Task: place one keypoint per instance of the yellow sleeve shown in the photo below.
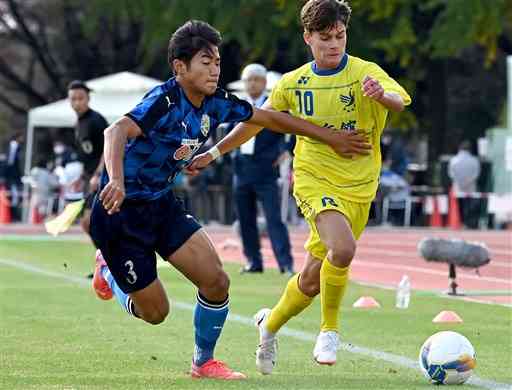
(278, 97)
(389, 84)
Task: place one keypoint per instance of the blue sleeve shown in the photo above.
(149, 111)
(232, 109)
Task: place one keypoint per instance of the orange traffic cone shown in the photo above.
(366, 303)
(447, 316)
(35, 217)
(435, 218)
(5, 207)
(453, 211)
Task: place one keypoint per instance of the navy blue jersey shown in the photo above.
(173, 131)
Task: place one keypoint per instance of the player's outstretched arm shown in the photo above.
(345, 143)
(116, 135)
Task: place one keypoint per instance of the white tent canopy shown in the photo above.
(113, 96)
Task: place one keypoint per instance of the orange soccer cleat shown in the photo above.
(215, 369)
(99, 284)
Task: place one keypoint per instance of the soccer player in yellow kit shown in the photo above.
(341, 93)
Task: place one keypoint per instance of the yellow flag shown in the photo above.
(64, 220)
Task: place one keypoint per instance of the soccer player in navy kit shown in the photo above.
(136, 213)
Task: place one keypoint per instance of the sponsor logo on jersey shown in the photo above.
(348, 125)
(184, 152)
(188, 147)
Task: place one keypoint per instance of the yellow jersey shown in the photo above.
(334, 99)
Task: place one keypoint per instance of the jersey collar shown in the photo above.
(330, 72)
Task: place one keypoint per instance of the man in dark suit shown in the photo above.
(256, 170)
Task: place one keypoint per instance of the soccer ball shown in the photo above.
(447, 358)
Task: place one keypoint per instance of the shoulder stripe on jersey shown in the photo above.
(330, 87)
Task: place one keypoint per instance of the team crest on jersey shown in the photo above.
(184, 152)
(87, 147)
(348, 101)
(205, 125)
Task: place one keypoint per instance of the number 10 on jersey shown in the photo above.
(305, 102)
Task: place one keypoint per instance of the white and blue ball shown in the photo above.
(447, 358)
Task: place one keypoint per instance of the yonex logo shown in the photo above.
(303, 80)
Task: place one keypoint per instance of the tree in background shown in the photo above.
(449, 54)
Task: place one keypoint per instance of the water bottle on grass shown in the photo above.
(403, 293)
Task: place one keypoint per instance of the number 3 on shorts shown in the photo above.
(132, 276)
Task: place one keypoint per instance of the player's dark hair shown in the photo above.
(191, 38)
(78, 84)
(318, 15)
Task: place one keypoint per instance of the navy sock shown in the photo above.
(209, 318)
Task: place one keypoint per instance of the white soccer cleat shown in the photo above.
(326, 347)
(266, 352)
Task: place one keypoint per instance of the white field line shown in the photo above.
(304, 336)
(265, 250)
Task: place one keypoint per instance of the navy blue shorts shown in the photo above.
(129, 239)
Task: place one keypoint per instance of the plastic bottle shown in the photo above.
(403, 293)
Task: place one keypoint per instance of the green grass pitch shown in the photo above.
(55, 334)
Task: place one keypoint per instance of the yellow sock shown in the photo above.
(333, 282)
(292, 302)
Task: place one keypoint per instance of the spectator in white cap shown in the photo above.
(256, 170)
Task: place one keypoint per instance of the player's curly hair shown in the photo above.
(189, 39)
(318, 15)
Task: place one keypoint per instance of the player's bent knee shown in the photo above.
(155, 313)
(217, 286)
(342, 255)
(222, 282)
(156, 316)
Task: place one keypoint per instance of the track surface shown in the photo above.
(383, 256)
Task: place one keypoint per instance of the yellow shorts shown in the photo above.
(313, 198)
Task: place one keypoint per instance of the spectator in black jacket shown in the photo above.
(13, 173)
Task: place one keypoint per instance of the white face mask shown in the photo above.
(58, 149)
